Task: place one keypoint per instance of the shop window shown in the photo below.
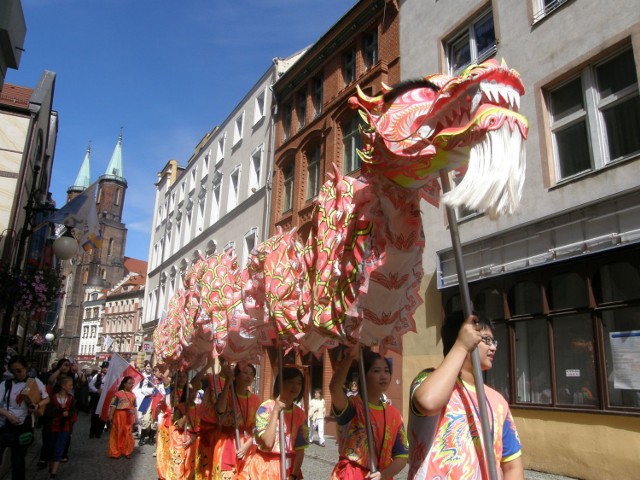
(595, 117)
(621, 347)
(473, 44)
(525, 298)
(498, 376)
(489, 303)
(616, 282)
(567, 290)
(533, 377)
(574, 360)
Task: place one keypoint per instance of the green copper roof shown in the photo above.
(83, 180)
(114, 169)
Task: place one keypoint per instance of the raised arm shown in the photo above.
(223, 398)
(339, 399)
(435, 391)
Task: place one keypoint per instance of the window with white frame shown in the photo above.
(351, 143)
(234, 189)
(182, 191)
(318, 85)
(313, 172)
(172, 201)
(220, 152)
(238, 126)
(349, 66)
(255, 170)
(543, 8)
(595, 116)
(229, 246)
(215, 197)
(258, 109)
(205, 164)
(250, 241)
(287, 187)
(474, 44)
(187, 226)
(178, 243)
(301, 109)
(370, 49)
(192, 185)
(200, 216)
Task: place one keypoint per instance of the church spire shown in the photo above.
(114, 169)
(83, 180)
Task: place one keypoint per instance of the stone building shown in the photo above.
(561, 277)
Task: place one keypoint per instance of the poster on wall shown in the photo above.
(625, 350)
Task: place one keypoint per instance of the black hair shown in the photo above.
(21, 359)
(61, 362)
(146, 362)
(452, 324)
(287, 374)
(59, 381)
(236, 371)
(124, 380)
(369, 358)
(406, 85)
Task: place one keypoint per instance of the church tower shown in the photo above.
(90, 273)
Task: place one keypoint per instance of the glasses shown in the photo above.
(490, 341)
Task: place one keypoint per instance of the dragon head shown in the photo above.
(441, 122)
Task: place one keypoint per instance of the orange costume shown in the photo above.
(265, 464)
(175, 453)
(227, 465)
(207, 430)
(121, 440)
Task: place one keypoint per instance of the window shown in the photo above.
(237, 129)
(351, 142)
(220, 153)
(116, 201)
(192, 184)
(571, 328)
(215, 197)
(234, 187)
(595, 117)
(172, 202)
(545, 7)
(200, 217)
(370, 49)
(250, 242)
(318, 84)
(255, 170)
(205, 165)
(182, 191)
(474, 44)
(313, 173)
(110, 247)
(287, 195)
(286, 122)
(258, 109)
(349, 66)
(301, 109)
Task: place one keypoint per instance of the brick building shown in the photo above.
(315, 128)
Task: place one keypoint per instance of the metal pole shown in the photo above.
(235, 415)
(283, 446)
(467, 310)
(367, 417)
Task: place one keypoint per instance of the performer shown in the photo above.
(230, 461)
(145, 392)
(206, 422)
(122, 415)
(61, 414)
(95, 389)
(176, 451)
(265, 463)
(16, 417)
(444, 421)
(317, 412)
(389, 435)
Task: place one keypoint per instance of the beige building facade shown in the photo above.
(561, 277)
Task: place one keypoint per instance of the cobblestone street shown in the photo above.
(88, 461)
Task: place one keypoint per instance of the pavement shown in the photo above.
(88, 461)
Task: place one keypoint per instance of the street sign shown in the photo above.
(147, 347)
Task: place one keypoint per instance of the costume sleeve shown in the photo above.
(511, 448)
(401, 445)
(302, 435)
(262, 419)
(344, 417)
(421, 377)
(114, 401)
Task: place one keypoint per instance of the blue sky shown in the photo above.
(167, 72)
